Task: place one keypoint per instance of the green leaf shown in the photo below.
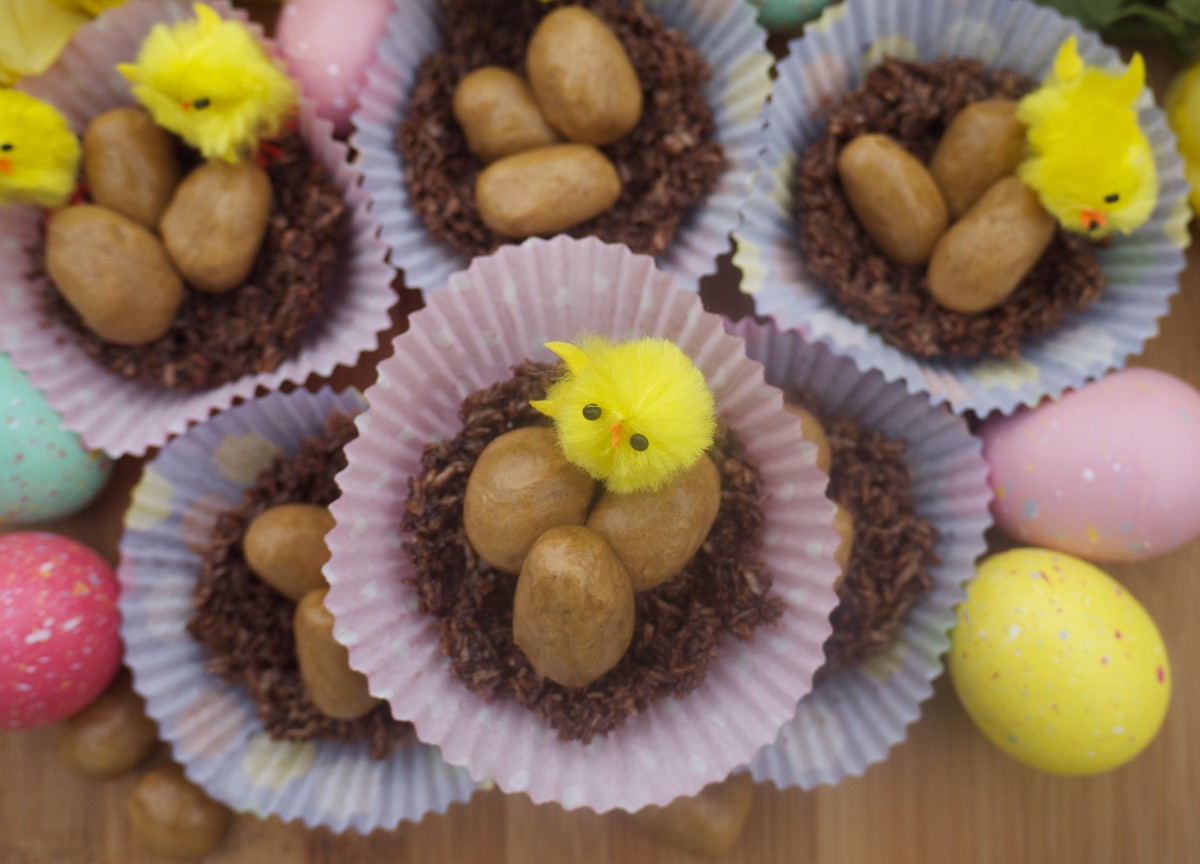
(1159, 21)
(1188, 10)
(1094, 14)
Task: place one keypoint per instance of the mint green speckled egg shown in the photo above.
(785, 16)
(45, 473)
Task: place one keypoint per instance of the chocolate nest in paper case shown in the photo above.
(914, 103)
(725, 589)
(246, 625)
(218, 338)
(893, 545)
(667, 164)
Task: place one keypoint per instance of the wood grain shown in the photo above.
(945, 795)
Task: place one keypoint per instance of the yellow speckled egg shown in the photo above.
(1058, 664)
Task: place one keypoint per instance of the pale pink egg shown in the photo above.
(1110, 472)
(328, 47)
(59, 628)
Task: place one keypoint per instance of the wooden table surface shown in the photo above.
(944, 795)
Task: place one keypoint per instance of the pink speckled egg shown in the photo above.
(1110, 472)
(328, 45)
(59, 641)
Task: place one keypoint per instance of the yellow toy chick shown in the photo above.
(1089, 161)
(1183, 114)
(631, 414)
(39, 152)
(208, 81)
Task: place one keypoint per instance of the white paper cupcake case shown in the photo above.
(723, 32)
(489, 318)
(831, 59)
(211, 726)
(853, 719)
(112, 413)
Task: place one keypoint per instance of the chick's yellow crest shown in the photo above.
(1089, 161)
(210, 82)
(39, 152)
(631, 414)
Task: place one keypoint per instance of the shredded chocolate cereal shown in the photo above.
(724, 589)
(217, 338)
(914, 103)
(893, 546)
(667, 164)
(246, 625)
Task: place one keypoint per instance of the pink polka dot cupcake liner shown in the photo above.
(487, 319)
(115, 414)
(852, 719)
(212, 726)
(831, 59)
(723, 32)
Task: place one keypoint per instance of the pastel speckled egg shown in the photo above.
(328, 48)
(785, 16)
(1110, 472)
(1058, 664)
(59, 640)
(45, 472)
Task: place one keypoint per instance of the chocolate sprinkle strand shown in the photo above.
(246, 625)
(914, 103)
(893, 546)
(667, 164)
(724, 589)
(217, 338)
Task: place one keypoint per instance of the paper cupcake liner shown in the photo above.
(851, 720)
(112, 413)
(212, 726)
(723, 32)
(831, 59)
(489, 318)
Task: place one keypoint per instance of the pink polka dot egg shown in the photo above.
(329, 50)
(1109, 472)
(59, 640)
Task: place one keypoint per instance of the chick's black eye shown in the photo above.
(638, 442)
(202, 103)
(591, 412)
(1113, 198)
(5, 147)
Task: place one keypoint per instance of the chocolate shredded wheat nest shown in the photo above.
(246, 625)
(667, 164)
(724, 589)
(217, 338)
(893, 546)
(914, 103)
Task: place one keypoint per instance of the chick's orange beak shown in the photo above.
(5, 166)
(616, 436)
(1093, 219)
(186, 106)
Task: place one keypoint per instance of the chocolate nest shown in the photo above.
(218, 338)
(724, 589)
(246, 625)
(914, 103)
(667, 164)
(893, 546)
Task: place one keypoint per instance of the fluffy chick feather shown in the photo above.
(1089, 161)
(208, 81)
(39, 152)
(618, 397)
(1183, 113)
